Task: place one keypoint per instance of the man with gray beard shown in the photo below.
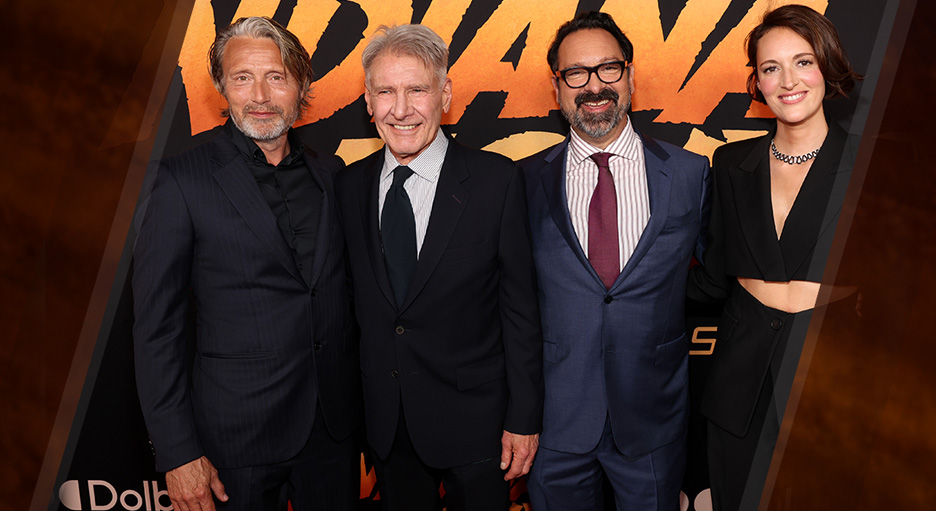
(616, 217)
(255, 402)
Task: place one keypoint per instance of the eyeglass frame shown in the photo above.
(593, 70)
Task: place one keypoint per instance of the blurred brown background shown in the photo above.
(76, 82)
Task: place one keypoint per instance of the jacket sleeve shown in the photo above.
(519, 310)
(707, 281)
(162, 334)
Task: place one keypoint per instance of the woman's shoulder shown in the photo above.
(740, 149)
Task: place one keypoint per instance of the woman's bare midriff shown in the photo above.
(795, 295)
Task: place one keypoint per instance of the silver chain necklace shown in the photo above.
(792, 160)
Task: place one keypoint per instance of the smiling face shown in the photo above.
(407, 103)
(788, 76)
(597, 111)
(263, 96)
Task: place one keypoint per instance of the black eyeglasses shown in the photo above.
(607, 72)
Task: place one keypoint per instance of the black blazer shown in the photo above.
(464, 353)
(267, 346)
(743, 242)
(742, 239)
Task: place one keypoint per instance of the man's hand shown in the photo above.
(518, 452)
(190, 486)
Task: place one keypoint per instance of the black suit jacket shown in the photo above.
(464, 352)
(743, 242)
(742, 239)
(267, 345)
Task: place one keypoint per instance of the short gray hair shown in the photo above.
(417, 41)
(295, 57)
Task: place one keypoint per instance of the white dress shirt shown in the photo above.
(630, 184)
(421, 186)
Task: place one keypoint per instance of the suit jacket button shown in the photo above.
(312, 292)
(608, 299)
(394, 373)
(317, 346)
(399, 329)
(776, 324)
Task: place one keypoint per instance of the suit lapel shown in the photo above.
(751, 186)
(659, 184)
(553, 178)
(809, 215)
(323, 236)
(368, 191)
(240, 187)
(447, 206)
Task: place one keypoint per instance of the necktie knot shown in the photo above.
(601, 159)
(401, 174)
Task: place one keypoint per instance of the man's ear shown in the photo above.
(370, 111)
(447, 95)
(630, 78)
(219, 86)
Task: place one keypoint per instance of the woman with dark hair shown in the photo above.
(775, 207)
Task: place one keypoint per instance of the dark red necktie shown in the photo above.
(602, 224)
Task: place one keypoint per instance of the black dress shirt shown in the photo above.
(293, 196)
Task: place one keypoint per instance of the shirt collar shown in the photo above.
(626, 145)
(427, 165)
(252, 151)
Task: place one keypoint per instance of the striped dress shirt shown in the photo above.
(630, 184)
(421, 186)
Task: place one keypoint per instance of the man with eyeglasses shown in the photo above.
(616, 217)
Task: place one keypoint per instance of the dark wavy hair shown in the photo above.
(821, 35)
(295, 57)
(586, 20)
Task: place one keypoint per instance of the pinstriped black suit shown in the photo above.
(268, 346)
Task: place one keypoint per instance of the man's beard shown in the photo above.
(596, 126)
(268, 129)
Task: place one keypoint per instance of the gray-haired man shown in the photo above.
(246, 223)
(444, 291)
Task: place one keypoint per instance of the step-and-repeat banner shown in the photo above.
(690, 91)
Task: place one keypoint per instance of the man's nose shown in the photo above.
(402, 106)
(260, 92)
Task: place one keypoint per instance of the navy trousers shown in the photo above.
(561, 481)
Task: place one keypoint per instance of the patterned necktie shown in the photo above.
(602, 224)
(398, 233)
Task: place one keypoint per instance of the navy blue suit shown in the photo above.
(268, 346)
(617, 358)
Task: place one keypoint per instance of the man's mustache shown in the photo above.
(591, 97)
(253, 107)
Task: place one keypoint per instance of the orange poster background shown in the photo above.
(661, 64)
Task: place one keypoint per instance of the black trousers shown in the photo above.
(738, 466)
(730, 458)
(324, 476)
(407, 484)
